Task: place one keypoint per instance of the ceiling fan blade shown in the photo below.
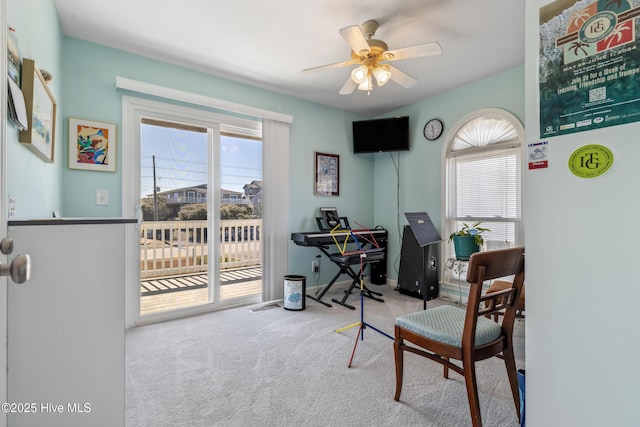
(402, 78)
(356, 40)
(348, 87)
(426, 49)
(332, 66)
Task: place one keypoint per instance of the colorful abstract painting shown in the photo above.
(92, 145)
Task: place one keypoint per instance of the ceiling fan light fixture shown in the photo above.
(367, 84)
(368, 53)
(359, 75)
(382, 75)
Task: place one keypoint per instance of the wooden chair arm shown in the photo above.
(496, 301)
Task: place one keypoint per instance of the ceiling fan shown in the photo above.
(371, 56)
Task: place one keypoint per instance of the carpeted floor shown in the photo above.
(276, 367)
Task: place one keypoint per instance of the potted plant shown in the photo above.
(467, 240)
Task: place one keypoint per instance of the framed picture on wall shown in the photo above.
(327, 181)
(40, 105)
(92, 145)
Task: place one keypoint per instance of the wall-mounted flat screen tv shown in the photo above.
(380, 135)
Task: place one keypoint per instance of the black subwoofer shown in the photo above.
(418, 266)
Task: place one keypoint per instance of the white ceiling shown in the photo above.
(267, 44)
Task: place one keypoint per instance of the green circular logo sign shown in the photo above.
(590, 161)
(598, 27)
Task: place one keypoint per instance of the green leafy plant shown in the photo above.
(473, 230)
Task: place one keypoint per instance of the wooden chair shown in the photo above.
(448, 332)
(499, 285)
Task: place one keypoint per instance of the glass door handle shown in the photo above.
(139, 216)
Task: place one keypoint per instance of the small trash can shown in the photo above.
(294, 292)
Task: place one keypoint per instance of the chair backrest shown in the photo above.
(497, 264)
(493, 265)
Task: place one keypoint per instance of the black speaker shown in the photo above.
(378, 270)
(418, 265)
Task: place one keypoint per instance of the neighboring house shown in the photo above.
(198, 194)
(256, 199)
(252, 189)
(232, 197)
(186, 195)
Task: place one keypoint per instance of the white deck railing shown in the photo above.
(170, 248)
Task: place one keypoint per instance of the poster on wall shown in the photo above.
(589, 65)
(538, 156)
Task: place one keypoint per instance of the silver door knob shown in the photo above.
(6, 245)
(19, 268)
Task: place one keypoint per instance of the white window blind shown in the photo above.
(486, 188)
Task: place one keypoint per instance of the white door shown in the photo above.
(5, 243)
(5, 249)
(3, 217)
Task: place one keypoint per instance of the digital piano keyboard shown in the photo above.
(319, 239)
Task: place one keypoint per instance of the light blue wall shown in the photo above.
(34, 184)
(420, 168)
(84, 86)
(90, 76)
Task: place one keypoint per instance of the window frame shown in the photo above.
(448, 223)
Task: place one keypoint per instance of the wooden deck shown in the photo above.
(169, 293)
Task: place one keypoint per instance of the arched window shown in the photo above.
(483, 178)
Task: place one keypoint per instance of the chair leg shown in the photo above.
(445, 370)
(399, 356)
(472, 392)
(512, 373)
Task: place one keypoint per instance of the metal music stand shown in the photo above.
(426, 234)
(362, 324)
(331, 220)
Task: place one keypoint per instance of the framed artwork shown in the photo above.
(327, 182)
(40, 105)
(92, 145)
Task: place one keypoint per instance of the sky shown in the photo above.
(181, 159)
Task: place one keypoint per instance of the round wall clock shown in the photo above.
(433, 129)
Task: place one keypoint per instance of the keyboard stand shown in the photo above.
(344, 261)
(343, 270)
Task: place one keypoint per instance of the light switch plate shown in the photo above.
(102, 197)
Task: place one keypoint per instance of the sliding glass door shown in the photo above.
(174, 234)
(200, 214)
(240, 217)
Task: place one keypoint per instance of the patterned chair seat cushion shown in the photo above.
(445, 324)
